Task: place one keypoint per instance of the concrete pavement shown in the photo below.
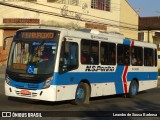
(2, 71)
(158, 81)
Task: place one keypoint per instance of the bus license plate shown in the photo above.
(25, 92)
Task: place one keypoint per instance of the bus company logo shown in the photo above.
(99, 68)
(98, 37)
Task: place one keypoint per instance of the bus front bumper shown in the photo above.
(48, 94)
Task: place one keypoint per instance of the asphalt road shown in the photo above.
(148, 100)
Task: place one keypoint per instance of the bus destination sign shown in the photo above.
(37, 35)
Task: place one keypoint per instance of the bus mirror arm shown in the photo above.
(63, 68)
(5, 42)
(63, 64)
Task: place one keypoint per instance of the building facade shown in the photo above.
(106, 15)
(129, 20)
(149, 31)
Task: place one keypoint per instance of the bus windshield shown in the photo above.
(32, 57)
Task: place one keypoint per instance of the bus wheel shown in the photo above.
(82, 94)
(133, 89)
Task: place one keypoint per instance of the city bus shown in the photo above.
(56, 64)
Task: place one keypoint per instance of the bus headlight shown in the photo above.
(47, 83)
(7, 80)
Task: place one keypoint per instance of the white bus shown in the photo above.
(55, 64)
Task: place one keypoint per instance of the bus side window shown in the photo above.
(120, 58)
(136, 56)
(123, 54)
(108, 53)
(148, 57)
(89, 52)
(84, 57)
(69, 56)
(126, 51)
(85, 51)
(94, 56)
(155, 57)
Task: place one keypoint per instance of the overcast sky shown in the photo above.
(146, 7)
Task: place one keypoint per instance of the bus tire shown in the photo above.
(82, 94)
(133, 89)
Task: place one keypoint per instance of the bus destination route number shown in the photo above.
(37, 35)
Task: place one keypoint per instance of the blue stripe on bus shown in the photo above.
(142, 76)
(119, 83)
(72, 78)
(95, 77)
(22, 85)
(158, 56)
(75, 78)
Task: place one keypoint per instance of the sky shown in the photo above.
(146, 8)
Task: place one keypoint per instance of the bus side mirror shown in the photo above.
(5, 42)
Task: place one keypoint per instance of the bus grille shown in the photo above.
(32, 94)
(29, 86)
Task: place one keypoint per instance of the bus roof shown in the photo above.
(89, 33)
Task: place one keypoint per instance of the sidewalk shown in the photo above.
(2, 71)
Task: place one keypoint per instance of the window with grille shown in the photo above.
(20, 0)
(101, 4)
(69, 2)
(157, 34)
(141, 36)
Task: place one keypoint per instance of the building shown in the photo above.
(149, 31)
(106, 15)
(129, 20)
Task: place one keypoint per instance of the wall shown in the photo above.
(129, 21)
(1, 38)
(146, 36)
(57, 15)
(69, 16)
(4, 53)
(60, 14)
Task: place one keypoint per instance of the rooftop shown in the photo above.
(149, 23)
